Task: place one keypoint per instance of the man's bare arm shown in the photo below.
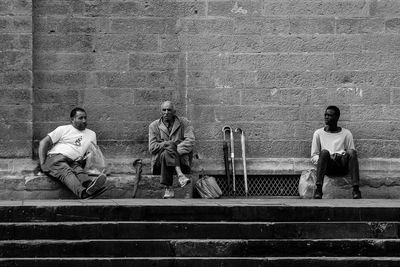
(44, 146)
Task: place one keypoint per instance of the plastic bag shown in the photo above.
(307, 183)
(95, 162)
(208, 188)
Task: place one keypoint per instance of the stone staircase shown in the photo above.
(196, 232)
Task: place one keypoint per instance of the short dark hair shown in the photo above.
(334, 108)
(75, 110)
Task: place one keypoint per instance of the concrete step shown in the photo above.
(202, 248)
(202, 210)
(197, 230)
(204, 262)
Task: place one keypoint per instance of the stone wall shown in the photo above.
(267, 66)
(15, 78)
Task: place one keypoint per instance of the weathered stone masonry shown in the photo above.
(268, 66)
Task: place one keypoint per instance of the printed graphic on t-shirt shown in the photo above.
(78, 141)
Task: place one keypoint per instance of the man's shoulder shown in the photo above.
(346, 131)
(154, 123)
(319, 131)
(63, 127)
(88, 131)
(183, 120)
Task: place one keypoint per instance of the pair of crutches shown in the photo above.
(225, 148)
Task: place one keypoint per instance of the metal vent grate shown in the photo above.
(262, 185)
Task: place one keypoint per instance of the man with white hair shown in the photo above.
(171, 141)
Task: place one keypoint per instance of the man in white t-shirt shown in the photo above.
(333, 152)
(62, 153)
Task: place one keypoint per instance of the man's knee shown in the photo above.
(352, 153)
(324, 154)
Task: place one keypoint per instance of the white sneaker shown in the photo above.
(183, 180)
(96, 184)
(169, 193)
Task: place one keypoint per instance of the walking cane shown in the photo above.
(229, 128)
(226, 162)
(243, 140)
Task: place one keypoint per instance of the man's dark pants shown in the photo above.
(338, 164)
(166, 162)
(68, 171)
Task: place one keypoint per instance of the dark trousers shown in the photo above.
(338, 164)
(166, 162)
(69, 172)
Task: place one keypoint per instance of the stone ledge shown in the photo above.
(380, 178)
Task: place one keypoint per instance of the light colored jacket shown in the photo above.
(182, 134)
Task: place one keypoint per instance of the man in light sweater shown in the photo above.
(333, 152)
(62, 153)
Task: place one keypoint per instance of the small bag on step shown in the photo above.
(208, 188)
(307, 183)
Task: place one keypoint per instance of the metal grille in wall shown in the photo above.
(262, 185)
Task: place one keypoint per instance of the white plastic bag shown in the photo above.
(208, 188)
(307, 183)
(95, 162)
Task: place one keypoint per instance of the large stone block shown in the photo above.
(138, 79)
(220, 96)
(387, 8)
(284, 62)
(115, 96)
(220, 43)
(155, 97)
(6, 7)
(42, 8)
(126, 42)
(276, 96)
(360, 25)
(53, 112)
(261, 25)
(81, 61)
(285, 78)
(16, 131)
(143, 25)
(70, 96)
(60, 79)
(347, 8)
(256, 113)
(124, 149)
(235, 8)
(15, 79)
(156, 8)
(22, 7)
(256, 149)
(313, 43)
(393, 25)
(133, 113)
(381, 42)
(221, 79)
(159, 61)
(351, 94)
(367, 61)
(15, 96)
(16, 149)
(123, 130)
(207, 25)
(312, 26)
(63, 43)
(384, 130)
(82, 25)
(15, 113)
(378, 148)
(15, 60)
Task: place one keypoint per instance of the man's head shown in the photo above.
(332, 114)
(78, 118)
(167, 111)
